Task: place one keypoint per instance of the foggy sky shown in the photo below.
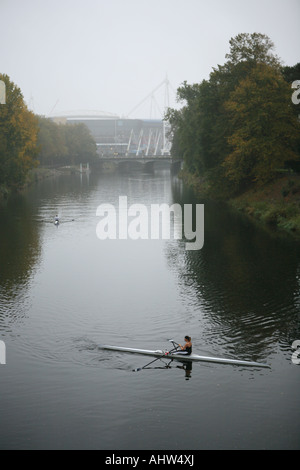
(110, 54)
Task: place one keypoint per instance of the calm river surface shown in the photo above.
(63, 293)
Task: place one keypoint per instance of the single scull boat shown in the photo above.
(192, 357)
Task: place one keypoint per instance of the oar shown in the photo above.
(67, 221)
(174, 343)
(158, 358)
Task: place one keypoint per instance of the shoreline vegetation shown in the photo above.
(35, 176)
(238, 134)
(275, 205)
(29, 144)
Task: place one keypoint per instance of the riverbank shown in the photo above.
(276, 204)
(34, 176)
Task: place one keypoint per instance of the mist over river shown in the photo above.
(64, 292)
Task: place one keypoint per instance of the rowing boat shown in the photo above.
(181, 357)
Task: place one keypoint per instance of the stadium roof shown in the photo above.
(84, 114)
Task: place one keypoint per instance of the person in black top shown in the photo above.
(187, 349)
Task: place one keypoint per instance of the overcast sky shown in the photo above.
(109, 55)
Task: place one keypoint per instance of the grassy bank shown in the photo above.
(276, 204)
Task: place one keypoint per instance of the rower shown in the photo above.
(185, 350)
(56, 220)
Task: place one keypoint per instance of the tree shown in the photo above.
(81, 147)
(194, 126)
(291, 74)
(18, 137)
(252, 48)
(61, 144)
(201, 128)
(51, 143)
(185, 127)
(238, 126)
(247, 51)
(265, 129)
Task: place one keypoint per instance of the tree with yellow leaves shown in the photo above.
(18, 137)
(265, 129)
(239, 127)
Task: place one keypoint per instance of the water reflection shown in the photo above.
(239, 296)
(244, 281)
(186, 366)
(20, 250)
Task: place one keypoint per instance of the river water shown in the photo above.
(63, 293)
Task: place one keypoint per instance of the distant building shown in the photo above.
(116, 137)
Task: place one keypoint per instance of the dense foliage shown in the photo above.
(65, 143)
(239, 127)
(18, 137)
(27, 140)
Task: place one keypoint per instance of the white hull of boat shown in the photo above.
(179, 357)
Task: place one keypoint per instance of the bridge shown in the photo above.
(148, 163)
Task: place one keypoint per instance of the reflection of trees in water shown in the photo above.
(244, 280)
(19, 254)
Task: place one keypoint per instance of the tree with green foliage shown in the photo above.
(51, 143)
(61, 144)
(265, 131)
(238, 126)
(291, 74)
(253, 49)
(18, 137)
(185, 126)
(81, 147)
